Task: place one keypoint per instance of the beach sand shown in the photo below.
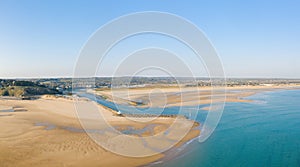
(23, 143)
(183, 96)
(39, 132)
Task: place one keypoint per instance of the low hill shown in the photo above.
(24, 88)
(20, 91)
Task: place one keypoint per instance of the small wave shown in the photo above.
(155, 163)
(259, 102)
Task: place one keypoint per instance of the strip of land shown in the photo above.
(184, 96)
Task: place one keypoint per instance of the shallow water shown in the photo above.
(187, 111)
(263, 133)
(130, 130)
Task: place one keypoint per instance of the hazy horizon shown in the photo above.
(197, 77)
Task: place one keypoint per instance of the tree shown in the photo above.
(5, 93)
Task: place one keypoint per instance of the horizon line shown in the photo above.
(206, 77)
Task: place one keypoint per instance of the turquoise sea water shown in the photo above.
(265, 132)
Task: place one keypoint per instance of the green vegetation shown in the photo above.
(24, 88)
(20, 91)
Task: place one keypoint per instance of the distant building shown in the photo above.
(59, 89)
(268, 84)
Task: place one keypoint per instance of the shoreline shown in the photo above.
(42, 142)
(187, 96)
(52, 110)
(183, 146)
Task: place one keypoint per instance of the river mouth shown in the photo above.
(194, 113)
(136, 111)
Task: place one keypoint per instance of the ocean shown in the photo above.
(265, 132)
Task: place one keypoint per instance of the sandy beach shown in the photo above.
(184, 96)
(46, 132)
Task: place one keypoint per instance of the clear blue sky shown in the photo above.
(253, 38)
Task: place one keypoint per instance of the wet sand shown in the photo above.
(183, 96)
(46, 132)
(39, 137)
